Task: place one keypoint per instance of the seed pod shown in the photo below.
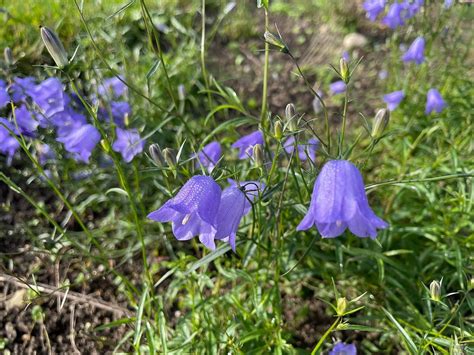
(270, 38)
(290, 115)
(170, 157)
(380, 122)
(278, 130)
(54, 46)
(344, 70)
(156, 154)
(8, 55)
(435, 291)
(258, 155)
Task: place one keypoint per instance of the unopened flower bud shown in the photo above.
(344, 69)
(380, 122)
(341, 306)
(290, 115)
(278, 130)
(54, 46)
(8, 55)
(435, 291)
(156, 154)
(170, 157)
(105, 146)
(258, 155)
(270, 38)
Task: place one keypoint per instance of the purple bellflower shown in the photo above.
(304, 150)
(128, 143)
(50, 98)
(338, 87)
(112, 86)
(25, 121)
(209, 156)
(118, 110)
(434, 102)
(234, 205)
(45, 153)
(339, 202)
(448, 3)
(373, 8)
(393, 99)
(246, 144)
(8, 144)
(21, 88)
(193, 211)
(411, 8)
(394, 16)
(343, 349)
(80, 140)
(416, 51)
(4, 97)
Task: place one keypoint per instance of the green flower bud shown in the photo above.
(170, 157)
(380, 122)
(156, 154)
(54, 46)
(8, 55)
(435, 291)
(273, 40)
(344, 69)
(258, 155)
(278, 130)
(290, 115)
(341, 306)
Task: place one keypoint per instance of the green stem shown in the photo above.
(407, 181)
(203, 53)
(325, 335)
(265, 76)
(344, 120)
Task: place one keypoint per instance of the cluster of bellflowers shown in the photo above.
(34, 109)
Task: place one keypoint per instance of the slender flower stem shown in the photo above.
(430, 179)
(265, 76)
(344, 121)
(325, 335)
(203, 53)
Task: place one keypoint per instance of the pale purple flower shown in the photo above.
(383, 74)
(337, 87)
(434, 102)
(50, 97)
(112, 87)
(345, 55)
(4, 97)
(448, 3)
(339, 202)
(343, 349)
(246, 144)
(118, 110)
(393, 99)
(304, 150)
(193, 211)
(25, 121)
(80, 140)
(394, 16)
(411, 8)
(21, 88)
(373, 8)
(8, 144)
(128, 143)
(209, 156)
(416, 51)
(65, 119)
(45, 153)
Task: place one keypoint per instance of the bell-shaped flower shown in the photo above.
(394, 16)
(112, 87)
(393, 99)
(234, 205)
(338, 87)
(8, 144)
(50, 97)
(415, 52)
(373, 8)
(434, 102)
(80, 140)
(4, 96)
(193, 211)
(411, 8)
(343, 349)
(305, 151)
(25, 121)
(128, 143)
(209, 156)
(246, 144)
(339, 202)
(117, 110)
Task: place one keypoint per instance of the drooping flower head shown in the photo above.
(80, 140)
(393, 99)
(338, 87)
(416, 51)
(209, 156)
(411, 8)
(434, 102)
(394, 16)
(50, 97)
(234, 205)
(304, 150)
(21, 88)
(118, 110)
(373, 8)
(25, 121)
(128, 143)
(246, 144)
(339, 202)
(343, 349)
(8, 144)
(193, 211)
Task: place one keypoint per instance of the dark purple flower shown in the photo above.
(128, 143)
(337, 87)
(8, 144)
(434, 102)
(112, 87)
(343, 349)
(25, 121)
(118, 110)
(373, 8)
(393, 99)
(209, 156)
(394, 17)
(416, 51)
(304, 150)
(411, 8)
(80, 140)
(45, 153)
(50, 97)
(193, 211)
(246, 144)
(65, 119)
(21, 88)
(339, 202)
